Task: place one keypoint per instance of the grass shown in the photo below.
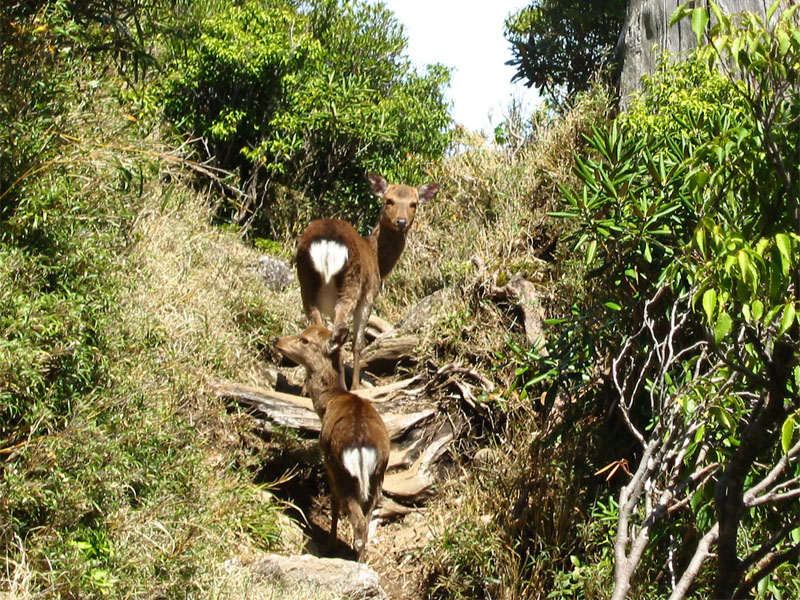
(122, 474)
(501, 529)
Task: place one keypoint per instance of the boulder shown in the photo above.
(342, 577)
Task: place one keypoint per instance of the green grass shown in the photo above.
(503, 530)
(122, 475)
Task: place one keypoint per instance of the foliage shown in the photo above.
(308, 98)
(106, 486)
(558, 46)
(689, 228)
(507, 532)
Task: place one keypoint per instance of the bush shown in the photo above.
(107, 488)
(688, 226)
(308, 100)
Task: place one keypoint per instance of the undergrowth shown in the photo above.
(121, 473)
(509, 533)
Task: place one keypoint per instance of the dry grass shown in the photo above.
(200, 302)
(491, 224)
(15, 582)
(488, 224)
(203, 288)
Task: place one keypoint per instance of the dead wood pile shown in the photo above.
(417, 410)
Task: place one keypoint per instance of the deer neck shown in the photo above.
(388, 244)
(320, 384)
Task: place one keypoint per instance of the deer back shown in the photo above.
(334, 263)
(351, 425)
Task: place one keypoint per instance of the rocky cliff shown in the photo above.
(647, 33)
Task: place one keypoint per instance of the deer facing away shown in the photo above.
(354, 440)
(340, 272)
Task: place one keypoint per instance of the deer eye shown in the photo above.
(414, 205)
(389, 202)
(303, 340)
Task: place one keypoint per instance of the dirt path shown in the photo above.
(422, 416)
(396, 546)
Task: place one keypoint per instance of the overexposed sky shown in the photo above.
(468, 37)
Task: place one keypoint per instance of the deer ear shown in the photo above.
(337, 339)
(427, 191)
(378, 184)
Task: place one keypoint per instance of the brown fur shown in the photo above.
(369, 261)
(348, 422)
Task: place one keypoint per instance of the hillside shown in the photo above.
(602, 383)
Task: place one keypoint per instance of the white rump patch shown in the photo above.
(328, 257)
(361, 463)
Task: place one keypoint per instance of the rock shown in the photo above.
(275, 272)
(486, 457)
(424, 312)
(350, 579)
(647, 25)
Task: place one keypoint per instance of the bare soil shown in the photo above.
(395, 549)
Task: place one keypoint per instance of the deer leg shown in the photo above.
(344, 309)
(360, 319)
(360, 527)
(334, 519)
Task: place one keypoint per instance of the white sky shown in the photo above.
(468, 37)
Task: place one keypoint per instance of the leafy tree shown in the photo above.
(308, 97)
(689, 221)
(558, 46)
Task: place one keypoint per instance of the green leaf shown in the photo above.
(784, 244)
(722, 327)
(748, 316)
(783, 42)
(722, 416)
(613, 305)
(709, 303)
(788, 317)
(591, 252)
(772, 314)
(757, 308)
(700, 239)
(699, 22)
(744, 263)
(772, 8)
(787, 432)
(679, 13)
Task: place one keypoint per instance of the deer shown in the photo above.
(353, 439)
(341, 272)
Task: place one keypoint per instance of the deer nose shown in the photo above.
(401, 224)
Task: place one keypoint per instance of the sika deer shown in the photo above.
(354, 440)
(340, 272)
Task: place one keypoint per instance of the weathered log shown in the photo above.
(384, 393)
(287, 410)
(419, 431)
(377, 327)
(414, 483)
(297, 412)
(523, 294)
(389, 350)
(647, 33)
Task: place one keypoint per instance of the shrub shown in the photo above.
(689, 228)
(308, 100)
